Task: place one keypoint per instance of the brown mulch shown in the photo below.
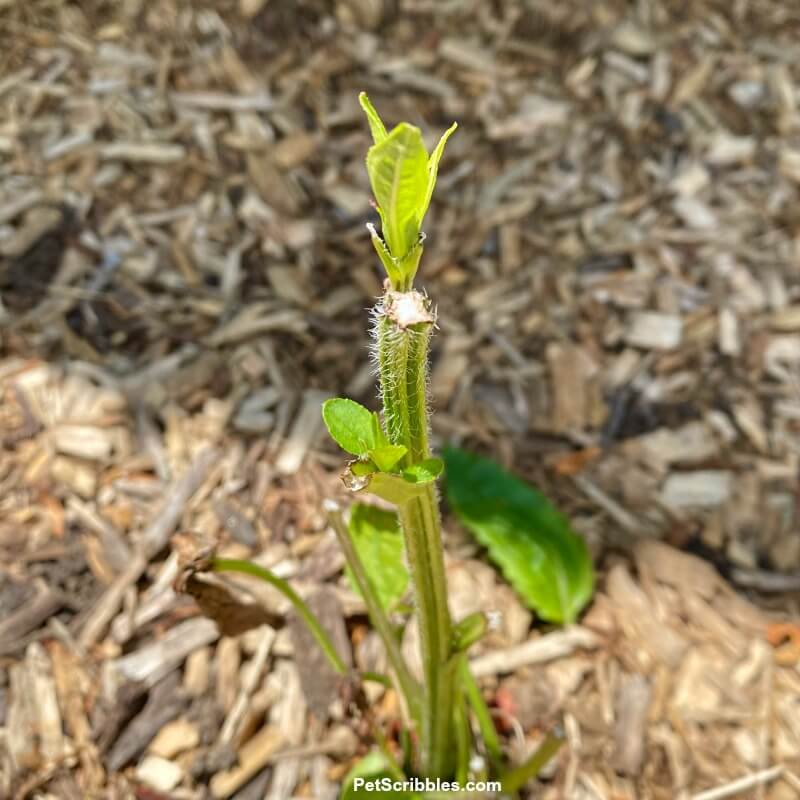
(184, 276)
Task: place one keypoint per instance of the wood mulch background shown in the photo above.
(614, 249)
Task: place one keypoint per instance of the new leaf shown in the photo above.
(376, 125)
(350, 425)
(398, 172)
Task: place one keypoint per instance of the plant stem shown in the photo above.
(318, 632)
(408, 686)
(403, 333)
(419, 520)
(516, 778)
(485, 722)
(461, 728)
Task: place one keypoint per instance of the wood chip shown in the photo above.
(254, 755)
(698, 489)
(652, 330)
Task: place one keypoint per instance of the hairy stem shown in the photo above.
(403, 333)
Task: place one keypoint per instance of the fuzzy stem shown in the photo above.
(403, 333)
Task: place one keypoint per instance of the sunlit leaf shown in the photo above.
(376, 125)
(433, 169)
(532, 543)
(398, 172)
(393, 269)
(386, 457)
(350, 425)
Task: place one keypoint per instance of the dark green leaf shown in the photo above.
(379, 543)
(349, 424)
(531, 542)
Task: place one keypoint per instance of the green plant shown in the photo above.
(392, 460)
(530, 540)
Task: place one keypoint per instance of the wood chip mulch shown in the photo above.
(614, 251)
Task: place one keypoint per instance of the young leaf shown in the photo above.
(469, 630)
(398, 172)
(392, 488)
(373, 767)
(376, 125)
(424, 472)
(379, 543)
(378, 436)
(531, 542)
(433, 169)
(362, 468)
(386, 456)
(349, 424)
(391, 266)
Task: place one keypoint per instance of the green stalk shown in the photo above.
(408, 686)
(317, 631)
(482, 714)
(403, 333)
(462, 737)
(515, 779)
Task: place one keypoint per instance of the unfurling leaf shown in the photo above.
(386, 457)
(531, 542)
(379, 543)
(433, 169)
(376, 126)
(350, 425)
(398, 172)
(403, 177)
(468, 631)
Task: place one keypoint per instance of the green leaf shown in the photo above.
(378, 436)
(531, 542)
(350, 425)
(376, 125)
(398, 172)
(424, 472)
(387, 456)
(379, 543)
(392, 488)
(469, 630)
(433, 169)
(362, 468)
(393, 269)
(373, 767)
